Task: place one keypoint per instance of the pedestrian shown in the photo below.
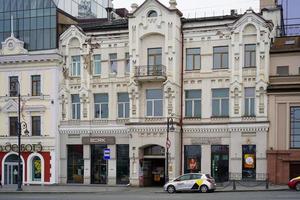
(0, 181)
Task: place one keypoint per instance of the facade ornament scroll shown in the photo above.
(169, 96)
(236, 101)
(261, 100)
(133, 98)
(64, 103)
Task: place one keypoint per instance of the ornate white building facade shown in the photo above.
(122, 79)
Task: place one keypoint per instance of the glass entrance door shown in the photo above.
(220, 162)
(11, 173)
(98, 164)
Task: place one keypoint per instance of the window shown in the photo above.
(36, 85)
(36, 169)
(101, 105)
(13, 126)
(249, 162)
(193, 103)
(154, 98)
(193, 59)
(113, 63)
(152, 13)
(249, 101)
(250, 55)
(75, 106)
(192, 158)
(36, 125)
(282, 70)
(123, 105)
(154, 61)
(75, 164)
(220, 57)
(97, 65)
(13, 86)
(127, 63)
(295, 127)
(75, 66)
(123, 163)
(220, 102)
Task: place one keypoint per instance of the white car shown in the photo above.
(191, 182)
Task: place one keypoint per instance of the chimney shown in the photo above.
(173, 4)
(109, 9)
(268, 4)
(233, 12)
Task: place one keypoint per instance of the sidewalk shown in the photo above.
(130, 189)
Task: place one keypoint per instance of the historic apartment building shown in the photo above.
(30, 65)
(122, 79)
(284, 110)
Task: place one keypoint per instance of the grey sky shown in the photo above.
(200, 7)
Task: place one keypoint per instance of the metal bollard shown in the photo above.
(267, 184)
(233, 185)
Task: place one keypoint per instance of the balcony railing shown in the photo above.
(150, 72)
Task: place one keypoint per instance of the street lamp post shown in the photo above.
(170, 122)
(20, 126)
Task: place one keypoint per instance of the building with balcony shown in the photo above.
(284, 110)
(30, 65)
(124, 78)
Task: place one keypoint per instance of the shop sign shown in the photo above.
(98, 140)
(206, 140)
(24, 147)
(106, 154)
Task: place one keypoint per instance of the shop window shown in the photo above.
(249, 162)
(36, 169)
(75, 164)
(123, 163)
(295, 127)
(98, 164)
(192, 158)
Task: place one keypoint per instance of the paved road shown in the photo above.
(140, 195)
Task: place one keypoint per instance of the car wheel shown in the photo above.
(297, 187)
(171, 189)
(203, 189)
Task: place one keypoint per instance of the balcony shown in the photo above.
(150, 73)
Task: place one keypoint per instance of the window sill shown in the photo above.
(249, 67)
(96, 75)
(219, 117)
(192, 70)
(192, 118)
(220, 69)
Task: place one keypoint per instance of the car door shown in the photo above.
(182, 182)
(196, 181)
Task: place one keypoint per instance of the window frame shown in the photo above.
(101, 105)
(75, 65)
(193, 58)
(224, 53)
(220, 100)
(282, 67)
(15, 124)
(249, 110)
(95, 62)
(13, 82)
(125, 105)
(76, 108)
(153, 102)
(291, 128)
(193, 104)
(36, 128)
(152, 13)
(252, 54)
(113, 63)
(36, 85)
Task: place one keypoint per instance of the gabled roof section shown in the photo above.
(160, 4)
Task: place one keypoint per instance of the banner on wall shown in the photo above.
(249, 161)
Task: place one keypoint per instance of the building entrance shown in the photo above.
(152, 166)
(11, 170)
(98, 164)
(220, 162)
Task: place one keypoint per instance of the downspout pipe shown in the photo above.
(181, 100)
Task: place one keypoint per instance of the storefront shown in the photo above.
(35, 164)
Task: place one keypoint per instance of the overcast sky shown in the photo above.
(200, 7)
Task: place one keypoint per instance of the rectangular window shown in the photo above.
(101, 106)
(154, 61)
(249, 101)
(295, 127)
(97, 65)
(127, 63)
(282, 70)
(75, 66)
(75, 106)
(123, 164)
(113, 63)
(36, 125)
(75, 164)
(13, 86)
(193, 103)
(13, 126)
(154, 101)
(193, 59)
(192, 158)
(220, 102)
(123, 105)
(250, 55)
(249, 162)
(36, 85)
(220, 57)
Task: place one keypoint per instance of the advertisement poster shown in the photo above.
(249, 161)
(192, 165)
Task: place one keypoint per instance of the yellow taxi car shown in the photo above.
(191, 182)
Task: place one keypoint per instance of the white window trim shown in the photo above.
(220, 106)
(77, 67)
(29, 168)
(22, 163)
(123, 103)
(100, 108)
(152, 107)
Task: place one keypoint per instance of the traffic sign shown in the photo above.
(106, 154)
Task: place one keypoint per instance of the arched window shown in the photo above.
(36, 169)
(152, 13)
